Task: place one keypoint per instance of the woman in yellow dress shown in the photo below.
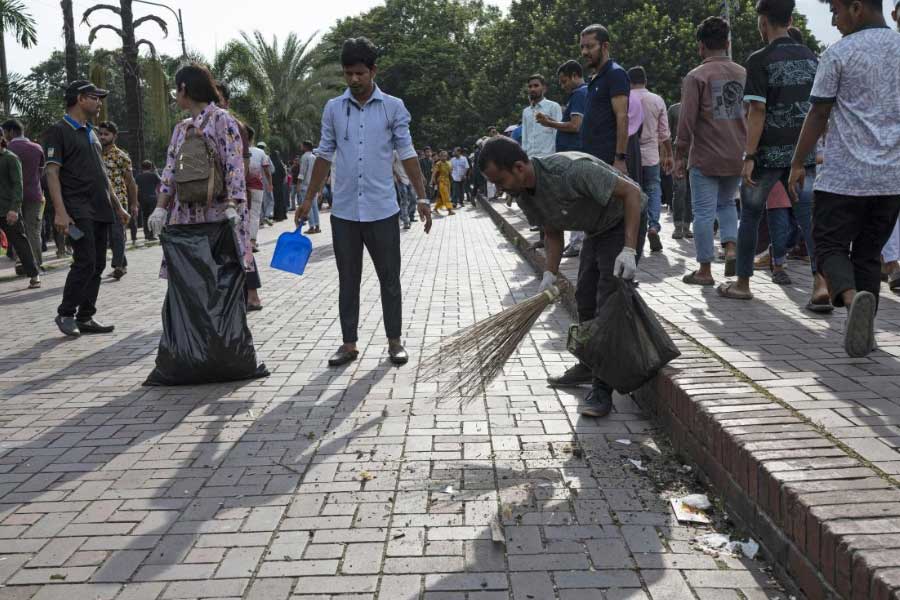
(441, 175)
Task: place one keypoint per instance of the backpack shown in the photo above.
(198, 173)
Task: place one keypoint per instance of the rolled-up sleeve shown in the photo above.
(327, 141)
(402, 139)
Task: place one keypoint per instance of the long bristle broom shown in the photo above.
(468, 361)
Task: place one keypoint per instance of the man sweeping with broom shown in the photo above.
(576, 192)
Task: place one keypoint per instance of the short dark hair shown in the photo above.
(109, 126)
(13, 125)
(713, 33)
(777, 11)
(637, 75)
(358, 50)
(198, 83)
(503, 152)
(796, 35)
(146, 165)
(307, 144)
(537, 77)
(598, 31)
(874, 4)
(570, 68)
(224, 91)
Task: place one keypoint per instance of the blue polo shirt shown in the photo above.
(598, 128)
(575, 105)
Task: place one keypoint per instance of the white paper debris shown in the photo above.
(717, 541)
(687, 514)
(624, 442)
(497, 531)
(448, 489)
(697, 501)
(637, 464)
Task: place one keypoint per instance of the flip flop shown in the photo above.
(781, 278)
(726, 290)
(821, 308)
(692, 279)
(858, 336)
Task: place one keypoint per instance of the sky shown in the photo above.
(208, 31)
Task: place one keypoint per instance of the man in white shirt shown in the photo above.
(459, 170)
(538, 140)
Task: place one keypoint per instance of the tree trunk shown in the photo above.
(69, 36)
(4, 75)
(133, 104)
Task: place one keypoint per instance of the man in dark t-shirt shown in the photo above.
(779, 81)
(84, 203)
(147, 183)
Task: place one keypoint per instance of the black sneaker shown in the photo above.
(580, 374)
(655, 243)
(598, 403)
(859, 335)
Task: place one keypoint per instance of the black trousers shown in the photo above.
(596, 281)
(382, 240)
(117, 245)
(89, 260)
(849, 234)
(147, 208)
(15, 233)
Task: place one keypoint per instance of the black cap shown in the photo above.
(82, 86)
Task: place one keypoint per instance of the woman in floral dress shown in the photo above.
(196, 92)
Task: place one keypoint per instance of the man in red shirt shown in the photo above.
(31, 156)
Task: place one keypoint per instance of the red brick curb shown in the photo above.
(828, 520)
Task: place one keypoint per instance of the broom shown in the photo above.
(470, 359)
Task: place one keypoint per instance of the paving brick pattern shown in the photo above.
(801, 457)
(317, 483)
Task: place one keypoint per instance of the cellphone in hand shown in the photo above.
(74, 233)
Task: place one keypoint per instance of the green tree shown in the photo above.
(14, 18)
(134, 140)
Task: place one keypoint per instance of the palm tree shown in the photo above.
(69, 36)
(291, 83)
(14, 18)
(132, 74)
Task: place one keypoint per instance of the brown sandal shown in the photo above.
(726, 290)
(693, 279)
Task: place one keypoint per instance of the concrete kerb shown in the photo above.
(828, 518)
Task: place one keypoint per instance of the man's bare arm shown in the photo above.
(554, 241)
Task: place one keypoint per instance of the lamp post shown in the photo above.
(177, 19)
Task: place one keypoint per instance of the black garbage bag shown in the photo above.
(624, 344)
(205, 335)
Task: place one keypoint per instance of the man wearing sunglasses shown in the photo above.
(85, 205)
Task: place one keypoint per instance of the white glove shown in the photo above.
(157, 220)
(548, 280)
(232, 216)
(626, 264)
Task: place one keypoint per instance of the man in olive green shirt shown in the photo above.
(575, 191)
(10, 210)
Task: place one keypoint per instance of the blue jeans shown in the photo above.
(713, 199)
(653, 188)
(781, 230)
(753, 206)
(404, 199)
(314, 209)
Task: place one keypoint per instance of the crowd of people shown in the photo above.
(810, 142)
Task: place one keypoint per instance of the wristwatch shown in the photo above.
(621, 157)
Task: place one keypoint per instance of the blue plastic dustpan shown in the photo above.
(292, 252)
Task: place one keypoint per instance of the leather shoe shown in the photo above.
(579, 374)
(598, 403)
(342, 357)
(68, 325)
(93, 326)
(398, 354)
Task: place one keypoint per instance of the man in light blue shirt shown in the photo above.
(361, 129)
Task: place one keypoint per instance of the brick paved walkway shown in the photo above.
(794, 354)
(318, 483)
